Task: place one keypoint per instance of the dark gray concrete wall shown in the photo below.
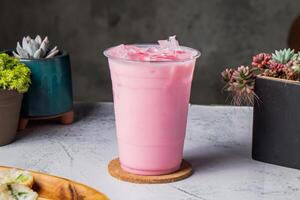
(228, 32)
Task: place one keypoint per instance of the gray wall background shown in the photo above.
(228, 32)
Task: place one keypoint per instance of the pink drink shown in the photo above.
(151, 89)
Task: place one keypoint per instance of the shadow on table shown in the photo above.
(217, 158)
(84, 110)
(81, 111)
(40, 127)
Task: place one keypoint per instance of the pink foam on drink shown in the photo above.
(167, 50)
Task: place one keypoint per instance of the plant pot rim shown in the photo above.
(11, 91)
(279, 79)
(62, 52)
(9, 94)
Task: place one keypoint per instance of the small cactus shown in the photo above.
(35, 48)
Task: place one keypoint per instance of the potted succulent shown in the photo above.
(14, 81)
(50, 94)
(272, 84)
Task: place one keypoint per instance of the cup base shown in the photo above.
(149, 172)
(116, 171)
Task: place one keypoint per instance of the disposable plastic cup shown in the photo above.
(151, 100)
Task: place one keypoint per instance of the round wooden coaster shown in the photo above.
(115, 170)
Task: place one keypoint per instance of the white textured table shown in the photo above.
(218, 144)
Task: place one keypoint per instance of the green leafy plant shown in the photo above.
(13, 74)
(239, 82)
(35, 48)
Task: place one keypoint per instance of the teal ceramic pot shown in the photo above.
(50, 92)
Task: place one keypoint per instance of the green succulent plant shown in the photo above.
(14, 75)
(35, 48)
(296, 66)
(296, 63)
(284, 56)
(297, 57)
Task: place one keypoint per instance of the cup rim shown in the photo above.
(196, 55)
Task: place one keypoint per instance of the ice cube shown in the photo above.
(170, 44)
(174, 45)
(118, 51)
(163, 44)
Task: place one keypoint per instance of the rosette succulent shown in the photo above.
(240, 82)
(14, 75)
(261, 60)
(282, 58)
(35, 48)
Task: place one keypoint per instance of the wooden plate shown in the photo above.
(56, 188)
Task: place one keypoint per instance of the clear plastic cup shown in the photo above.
(151, 100)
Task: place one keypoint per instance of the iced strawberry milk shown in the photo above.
(151, 90)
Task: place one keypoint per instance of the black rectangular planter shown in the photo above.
(276, 122)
